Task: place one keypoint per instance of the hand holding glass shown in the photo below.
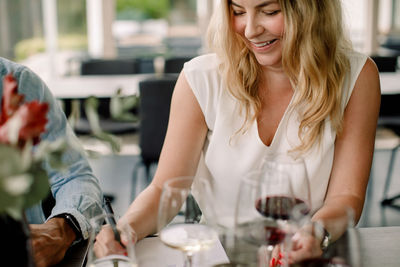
(271, 204)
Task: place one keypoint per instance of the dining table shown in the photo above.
(101, 86)
(83, 86)
(378, 246)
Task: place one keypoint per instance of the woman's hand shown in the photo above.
(305, 245)
(106, 244)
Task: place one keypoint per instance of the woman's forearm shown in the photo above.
(338, 213)
(142, 213)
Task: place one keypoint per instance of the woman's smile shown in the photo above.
(261, 27)
(263, 46)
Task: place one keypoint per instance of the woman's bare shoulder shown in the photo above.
(368, 80)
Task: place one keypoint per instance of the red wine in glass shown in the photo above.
(280, 207)
(277, 208)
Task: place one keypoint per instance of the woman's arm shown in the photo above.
(354, 149)
(180, 154)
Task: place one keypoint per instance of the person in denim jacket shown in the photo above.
(75, 193)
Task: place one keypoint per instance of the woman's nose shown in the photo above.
(253, 27)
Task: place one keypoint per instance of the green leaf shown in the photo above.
(10, 158)
(112, 140)
(91, 105)
(12, 205)
(75, 113)
(40, 188)
(15, 212)
(121, 106)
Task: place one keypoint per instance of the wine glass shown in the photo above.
(121, 255)
(184, 232)
(344, 252)
(272, 203)
(238, 252)
(296, 170)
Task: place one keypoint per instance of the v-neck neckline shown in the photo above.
(273, 141)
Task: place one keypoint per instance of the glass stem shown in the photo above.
(264, 256)
(188, 260)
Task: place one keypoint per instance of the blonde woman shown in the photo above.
(282, 78)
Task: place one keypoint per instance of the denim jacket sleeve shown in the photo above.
(76, 190)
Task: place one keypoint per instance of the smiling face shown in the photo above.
(261, 24)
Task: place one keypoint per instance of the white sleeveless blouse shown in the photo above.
(228, 156)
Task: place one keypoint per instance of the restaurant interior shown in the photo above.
(127, 58)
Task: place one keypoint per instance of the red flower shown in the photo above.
(31, 116)
(10, 100)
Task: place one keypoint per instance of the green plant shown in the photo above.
(120, 110)
(154, 9)
(29, 47)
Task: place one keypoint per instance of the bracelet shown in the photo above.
(326, 240)
(320, 232)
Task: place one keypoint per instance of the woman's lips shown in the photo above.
(259, 45)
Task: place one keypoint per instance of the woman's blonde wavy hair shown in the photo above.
(313, 57)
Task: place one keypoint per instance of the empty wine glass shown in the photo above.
(239, 253)
(183, 232)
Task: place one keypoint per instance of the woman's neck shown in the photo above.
(275, 79)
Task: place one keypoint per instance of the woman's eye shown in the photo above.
(237, 12)
(271, 13)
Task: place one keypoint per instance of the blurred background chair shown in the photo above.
(121, 66)
(385, 63)
(145, 65)
(154, 105)
(389, 115)
(108, 66)
(175, 64)
(389, 119)
(117, 66)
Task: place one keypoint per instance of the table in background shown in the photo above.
(106, 85)
(390, 82)
(78, 87)
(380, 246)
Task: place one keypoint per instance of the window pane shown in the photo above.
(71, 15)
(21, 30)
(156, 28)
